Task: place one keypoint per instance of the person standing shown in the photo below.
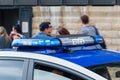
(89, 29)
(5, 40)
(16, 32)
(45, 30)
(62, 30)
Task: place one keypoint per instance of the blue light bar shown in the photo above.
(64, 41)
(36, 42)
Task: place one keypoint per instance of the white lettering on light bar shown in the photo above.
(78, 41)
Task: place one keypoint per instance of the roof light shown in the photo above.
(98, 39)
(36, 42)
(66, 40)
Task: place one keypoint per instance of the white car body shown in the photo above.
(51, 59)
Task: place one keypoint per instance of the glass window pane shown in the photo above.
(11, 70)
(44, 72)
(44, 75)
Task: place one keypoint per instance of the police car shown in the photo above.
(31, 66)
(58, 58)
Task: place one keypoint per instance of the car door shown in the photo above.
(13, 68)
(42, 70)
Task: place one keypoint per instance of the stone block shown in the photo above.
(110, 34)
(36, 11)
(108, 41)
(113, 47)
(115, 41)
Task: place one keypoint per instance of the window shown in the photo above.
(45, 72)
(11, 70)
(44, 75)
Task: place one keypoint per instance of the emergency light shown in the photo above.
(36, 42)
(66, 40)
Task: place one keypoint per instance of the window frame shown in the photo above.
(53, 65)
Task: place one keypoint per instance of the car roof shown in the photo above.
(90, 57)
(87, 58)
(49, 59)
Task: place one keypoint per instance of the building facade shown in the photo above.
(30, 13)
(105, 18)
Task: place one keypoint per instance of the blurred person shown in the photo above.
(16, 32)
(59, 72)
(5, 40)
(62, 30)
(45, 30)
(89, 29)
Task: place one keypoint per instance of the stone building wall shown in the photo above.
(105, 18)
